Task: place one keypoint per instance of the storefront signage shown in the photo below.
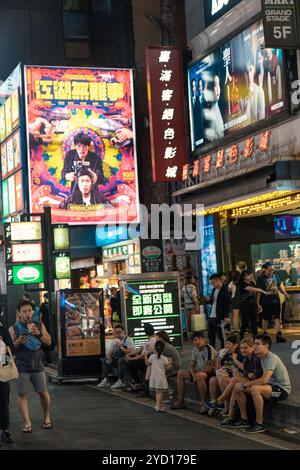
(155, 302)
(93, 106)
(281, 23)
(29, 274)
(109, 235)
(166, 105)
(62, 262)
(214, 9)
(23, 231)
(239, 156)
(152, 256)
(24, 253)
(61, 237)
(238, 86)
(118, 251)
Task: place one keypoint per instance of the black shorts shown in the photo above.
(278, 394)
(271, 311)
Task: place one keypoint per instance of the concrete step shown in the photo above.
(282, 414)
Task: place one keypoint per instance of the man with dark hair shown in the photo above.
(85, 192)
(120, 346)
(82, 157)
(203, 359)
(28, 337)
(219, 315)
(274, 385)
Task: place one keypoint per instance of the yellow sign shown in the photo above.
(83, 347)
(26, 231)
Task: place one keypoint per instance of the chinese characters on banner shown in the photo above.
(82, 151)
(155, 302)
(227, 161)
(166, 108)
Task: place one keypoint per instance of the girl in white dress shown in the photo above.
(158, 380)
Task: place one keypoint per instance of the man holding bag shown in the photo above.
(5, 340)
(28, 337)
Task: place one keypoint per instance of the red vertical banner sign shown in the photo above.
(167, 113)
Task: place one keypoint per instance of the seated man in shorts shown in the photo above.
(203, 360)
(273, 385)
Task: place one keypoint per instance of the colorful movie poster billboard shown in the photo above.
(82, 150)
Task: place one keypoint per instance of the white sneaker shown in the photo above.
(119, 384)
(103, 383)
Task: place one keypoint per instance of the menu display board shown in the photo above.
(81, 323)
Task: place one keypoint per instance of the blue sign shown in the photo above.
(208, 253)
(108, 235)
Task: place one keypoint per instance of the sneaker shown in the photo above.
(103, 383)
(118, 385)
(6, 437)
(256, 428)
(213, 405)
(280, 338)
(241, 423)
(228, 422)
(178, 406)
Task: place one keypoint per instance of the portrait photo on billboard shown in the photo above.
(237, 86)
(81, 139)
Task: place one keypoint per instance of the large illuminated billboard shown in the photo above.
(237, 86)
(82, 150)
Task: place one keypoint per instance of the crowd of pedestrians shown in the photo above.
(236, 378)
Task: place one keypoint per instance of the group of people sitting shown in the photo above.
(241, 374)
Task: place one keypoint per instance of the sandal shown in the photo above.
(47, 425)
(27, 429)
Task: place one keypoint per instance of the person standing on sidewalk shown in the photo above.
(248, 306)
(269, 303)
(28, 337)
(4, 392)
(219, 315)
(158, 380)
(190, 297)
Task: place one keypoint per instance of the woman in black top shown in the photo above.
(4, 393)
(248, 305)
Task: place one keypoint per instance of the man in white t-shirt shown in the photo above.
(120, 346)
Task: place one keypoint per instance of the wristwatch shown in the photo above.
(244, 385)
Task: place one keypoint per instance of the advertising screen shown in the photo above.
(238, 85)
(155, 302)
(82, 150)
(208, 254)
(287, 226)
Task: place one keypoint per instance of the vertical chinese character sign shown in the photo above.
(167, 110)
(82, 150)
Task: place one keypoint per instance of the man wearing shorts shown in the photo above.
(274, 385)
(28, 337)
(269, 303)
(203, 361)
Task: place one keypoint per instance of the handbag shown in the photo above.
(10, 371)
(199, 323)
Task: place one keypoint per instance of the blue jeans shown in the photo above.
(119, 364)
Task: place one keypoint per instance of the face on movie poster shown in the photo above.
(81, 135)
(238, 85)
